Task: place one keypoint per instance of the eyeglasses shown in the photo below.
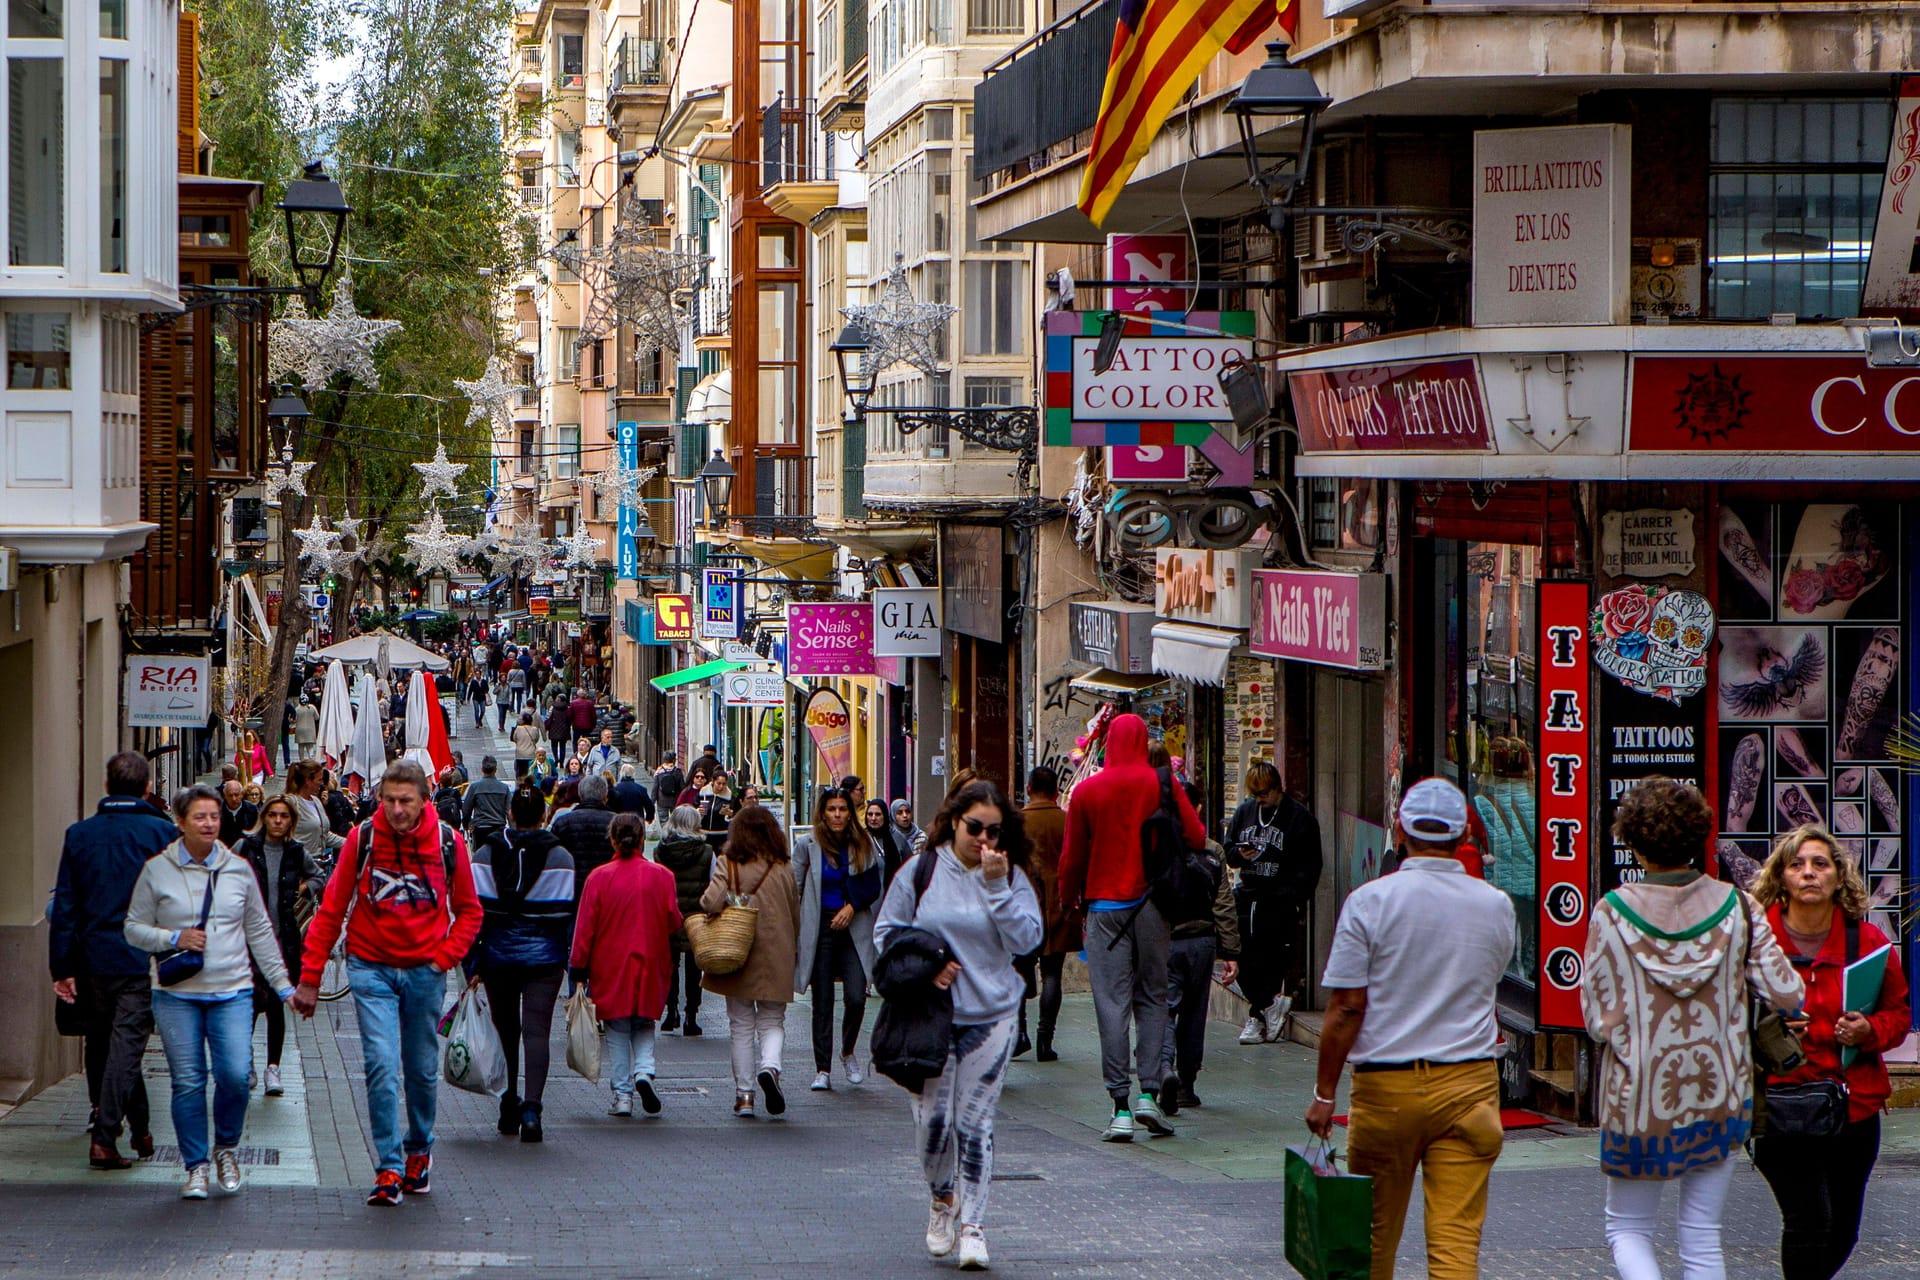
(978, 829)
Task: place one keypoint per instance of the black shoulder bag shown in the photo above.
(176, 966)
(1815, 1109)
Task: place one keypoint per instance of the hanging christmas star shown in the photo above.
(899, 330)
(617, 484)
(632, 280)
(285, 475)
(439, 476)
(481, 545)
(342, 341)
(319, 546)
(488, 396)
(581, 549)
(524, 551)
(432, 546)
(349, 526)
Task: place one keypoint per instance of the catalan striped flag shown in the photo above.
(1158, 49)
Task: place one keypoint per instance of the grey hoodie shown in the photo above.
(985, 923)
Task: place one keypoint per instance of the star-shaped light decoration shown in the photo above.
(634, 281)
(582, 548)
(523, 552)
(284, 476)
(319, 546)
(440, 475)
(432, 547)
(898, 329)
(488, 396)
(617, 484)
(342, 341)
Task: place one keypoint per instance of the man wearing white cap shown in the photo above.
(1416, 962)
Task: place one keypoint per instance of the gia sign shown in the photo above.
(906, 622)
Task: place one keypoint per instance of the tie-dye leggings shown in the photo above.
(953, 1115)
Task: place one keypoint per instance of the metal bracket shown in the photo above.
(1010, 429)
(1366, 228)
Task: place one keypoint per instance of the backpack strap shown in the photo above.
(923, 869)
(1853, 938)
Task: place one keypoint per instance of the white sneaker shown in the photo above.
(226, 1165)
(1275, 1017)
(1255, 1032)
(1120, 1128)
(851, 1066)
(1149, 1116)
(195, 1187)
(973, 1249)
(274, 1087)
(822, 1082)
(622, 1105)
(940, 1229)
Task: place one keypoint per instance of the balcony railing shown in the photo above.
(782, 497)
(532, 197)
(635, 62)
(526, 396)
(1044, 92)
(713, 311)
(789, 149)
(530, 57)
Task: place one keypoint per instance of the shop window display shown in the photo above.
(1810, 689)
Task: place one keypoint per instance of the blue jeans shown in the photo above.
(188, 1029)
(398, 1009)
(629, 1052)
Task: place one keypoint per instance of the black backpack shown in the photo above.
(1180, 880)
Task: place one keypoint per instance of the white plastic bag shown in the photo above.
(471, 1057)
(583, 1037)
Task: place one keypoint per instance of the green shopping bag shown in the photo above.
(1329, 1216)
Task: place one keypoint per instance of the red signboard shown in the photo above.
(1148, 259)
(1418, 407)
(1772, 404)
(1564, 843)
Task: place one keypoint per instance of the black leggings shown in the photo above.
(682, 958)
(523, 996)
(265, 1002)
(835, 958)
(1821, 1184)
(1042, 972)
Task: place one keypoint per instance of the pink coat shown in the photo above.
(628, 913)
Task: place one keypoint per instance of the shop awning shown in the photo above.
(1107, 680)
(693, 675)
(1193, 653)
(495, 585)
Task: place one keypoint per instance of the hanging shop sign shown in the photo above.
(1149, 463)
(1411, 407)
(754, 688)
(832, 639)
(906, 622)
(1551, 217)
(1148, 259)
(720, 604)
(540, 606)
(973, 573)
(1654, 640)
(1207, 587)
(673, 618)
(1641, 737)
(1563, 842)
(831, 729)
(567, 610)
(1330, 618)
(626, 551)
(1652, 542)
(1116, 636)
(165, 691)
(1162, 388)
(1892, 283)
(1735, 404)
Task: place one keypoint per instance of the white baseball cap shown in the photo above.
(1433, 810)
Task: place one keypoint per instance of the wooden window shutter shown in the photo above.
(188, 108)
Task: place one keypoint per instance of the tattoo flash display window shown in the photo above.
(1810, 685)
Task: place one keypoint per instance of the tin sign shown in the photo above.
(720, 604)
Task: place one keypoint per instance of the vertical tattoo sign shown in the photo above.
(1565, 765)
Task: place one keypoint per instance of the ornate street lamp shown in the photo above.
(314, 198)
(716, 482)
(850, 352)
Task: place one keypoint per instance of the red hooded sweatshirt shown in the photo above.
(1101, 859)
(399, 900)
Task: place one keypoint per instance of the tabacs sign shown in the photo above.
(906, 622)
(673, 618)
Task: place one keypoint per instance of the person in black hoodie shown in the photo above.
(1274, 842)
(281, 865)
(583, 829)
(524, 878)
(685, 852)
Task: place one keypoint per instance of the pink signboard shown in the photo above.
(1147, 463)
(833, 639)
(1417, 407)
(1308, 615)
(1148, 259)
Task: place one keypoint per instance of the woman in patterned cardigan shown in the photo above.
(1669, 961)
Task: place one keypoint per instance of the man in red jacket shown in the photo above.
(401, 940)
(1103, 872)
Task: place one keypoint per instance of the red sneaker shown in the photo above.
(419, 1175)
(386, 1188)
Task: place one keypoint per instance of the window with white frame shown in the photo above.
(992, 308)
(566, 450)
(567, 354)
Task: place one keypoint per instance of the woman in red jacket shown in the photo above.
(1814, 897)
(622, 950)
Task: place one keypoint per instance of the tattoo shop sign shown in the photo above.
(1654, 639)
(1563, 842)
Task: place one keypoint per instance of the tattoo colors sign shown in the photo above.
(834, 639)
(1563, 841)
(831, 728)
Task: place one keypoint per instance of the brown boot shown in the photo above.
(106, 1155)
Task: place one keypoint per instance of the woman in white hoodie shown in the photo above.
(198, 897)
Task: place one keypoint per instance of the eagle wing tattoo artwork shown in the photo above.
(1783, 681)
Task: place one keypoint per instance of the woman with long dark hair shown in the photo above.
(282, 865)
(839, 873)
(980, 904)
(755, 865)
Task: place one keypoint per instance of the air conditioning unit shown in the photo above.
(1665, 278)
(1346, 296)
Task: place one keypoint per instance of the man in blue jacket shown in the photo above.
(92, 962)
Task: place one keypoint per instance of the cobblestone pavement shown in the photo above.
(833, 1190)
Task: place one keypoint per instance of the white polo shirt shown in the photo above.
(1429, 944)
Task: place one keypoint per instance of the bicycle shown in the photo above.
(333, 982)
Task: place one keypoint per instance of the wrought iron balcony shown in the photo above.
(782, 497)
(789, 144)
(1044, 93)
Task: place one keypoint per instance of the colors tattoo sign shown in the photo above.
(1565, 800)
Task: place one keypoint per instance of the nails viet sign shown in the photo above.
(1333, 619)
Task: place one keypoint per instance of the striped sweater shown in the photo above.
(524, 880)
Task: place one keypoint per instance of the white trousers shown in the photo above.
(1633, 1205)
(748, 1021)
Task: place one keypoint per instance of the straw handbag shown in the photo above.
(721, 943)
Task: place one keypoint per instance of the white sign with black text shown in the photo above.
(906, 622)
(1551, 223)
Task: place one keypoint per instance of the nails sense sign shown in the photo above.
(1563, 841)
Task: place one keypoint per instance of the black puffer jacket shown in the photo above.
(690, 858)
(583, 829)
(914, 1031)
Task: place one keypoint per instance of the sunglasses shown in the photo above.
(977, 829)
